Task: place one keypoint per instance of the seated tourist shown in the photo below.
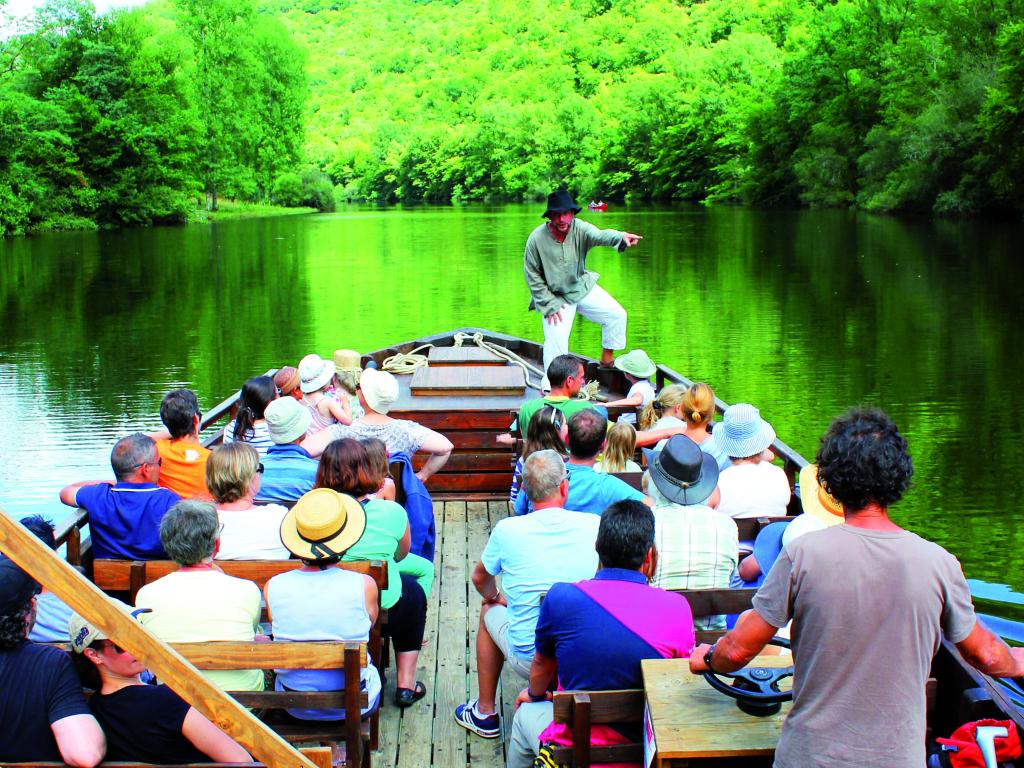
(124, 517)
(288, 471)
(248, 532)
(529, 554)
(589, 491)
(346, 468)
(52, 613)
(347, 370)
(43, 714)
(619, 448)
(377, 453)
(592, 635)
(184, 458)
(317, 375)
(250, 423)
(295, 600)
(638, 368)
(378, 390)
(751, 486)
(697, 546)
(199, 602)
(287, 382)
(143, 723)
(566, 374)
(548, 430)
(692, 408)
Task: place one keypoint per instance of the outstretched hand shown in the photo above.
(630, 239)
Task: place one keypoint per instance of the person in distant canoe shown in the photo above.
(555, 263)
(868, 601)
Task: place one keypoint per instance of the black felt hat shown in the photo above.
(16, 586)
(682, 471)
(559, 202)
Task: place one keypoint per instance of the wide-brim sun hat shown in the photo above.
(682, 472)
(560, 202)
(323, 523)
(637, 364)
(315, 372)
(743, 432)
(816, 501)
(287, 420)
(380, 389)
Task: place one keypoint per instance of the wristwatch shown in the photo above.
(707, 658)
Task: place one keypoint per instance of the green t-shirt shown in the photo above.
(566, 405)
(386, 522)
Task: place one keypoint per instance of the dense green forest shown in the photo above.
(144, 115)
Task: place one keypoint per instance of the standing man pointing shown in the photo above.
(555, 263)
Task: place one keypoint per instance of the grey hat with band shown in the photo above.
(682, 472)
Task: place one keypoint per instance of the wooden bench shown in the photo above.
(354, 733)
(581, 709)
(131, 575)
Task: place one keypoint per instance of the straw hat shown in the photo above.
(322, 524)
(743, 432)
(347, 359)
(315, 372)
(682, 471)
(816, 502)
(286, 379)
(287, 420)
(636, 363)
(380, 389)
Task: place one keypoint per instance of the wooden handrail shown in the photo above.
(86, 599)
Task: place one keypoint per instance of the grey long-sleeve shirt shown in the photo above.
(557, 272)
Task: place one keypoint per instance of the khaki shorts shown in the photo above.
(496, 623)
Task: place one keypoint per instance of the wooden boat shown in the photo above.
(469, 397)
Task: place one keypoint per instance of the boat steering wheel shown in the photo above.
(756, 689)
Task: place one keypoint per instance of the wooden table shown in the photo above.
(692, 721)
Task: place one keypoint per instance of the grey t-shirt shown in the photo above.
(867, 607)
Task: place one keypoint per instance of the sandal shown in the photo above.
(406, 697)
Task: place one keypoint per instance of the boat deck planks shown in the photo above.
(426, 733)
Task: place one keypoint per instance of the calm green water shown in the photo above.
(802, 313)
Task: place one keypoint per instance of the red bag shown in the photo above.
(968, 754)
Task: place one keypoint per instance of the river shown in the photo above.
(803, 313)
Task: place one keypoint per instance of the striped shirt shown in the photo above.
(697, 549)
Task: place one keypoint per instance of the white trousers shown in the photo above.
(530, 721)
(597, 306)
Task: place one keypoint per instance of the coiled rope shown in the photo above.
(406, 362)
(504, 353)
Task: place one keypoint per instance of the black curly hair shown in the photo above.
(863, 459)
(14, 627)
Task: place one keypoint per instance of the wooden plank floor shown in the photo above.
(426, 733)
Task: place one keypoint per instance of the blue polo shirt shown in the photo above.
(288, 473)
(600, 629)
(589, 491)
(124, 519)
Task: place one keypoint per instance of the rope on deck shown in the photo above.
(502, 352)
(407, 362)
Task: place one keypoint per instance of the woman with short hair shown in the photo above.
(249, 532)
(199, 602)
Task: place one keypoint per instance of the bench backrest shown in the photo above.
(581, 709)
(131, 575)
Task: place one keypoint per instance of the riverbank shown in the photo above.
(228, 210)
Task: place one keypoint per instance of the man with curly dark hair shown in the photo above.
(43, 714)
(869, 603)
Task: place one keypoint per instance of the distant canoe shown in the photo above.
(598, 206)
